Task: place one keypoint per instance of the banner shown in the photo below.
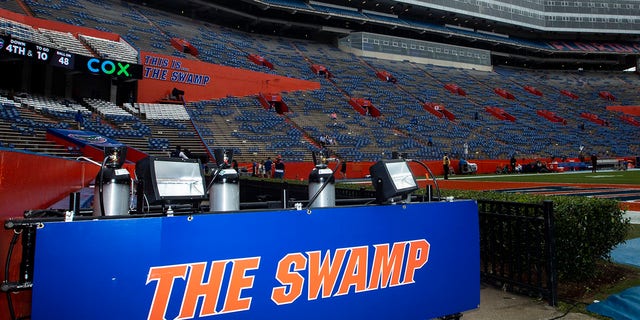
(82, 138)
(206, 81)
(414, 261)
(609, 47)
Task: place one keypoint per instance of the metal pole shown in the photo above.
(285, 186)
(74, 203)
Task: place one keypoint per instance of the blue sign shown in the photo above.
(82, 138)
(414, 261)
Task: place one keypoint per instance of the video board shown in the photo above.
(12, 47)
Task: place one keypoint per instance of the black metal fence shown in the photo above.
(517, 247)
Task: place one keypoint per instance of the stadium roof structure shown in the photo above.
(511, 43)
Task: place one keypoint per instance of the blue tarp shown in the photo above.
(620, 306)
(626, 304)
(627, 253)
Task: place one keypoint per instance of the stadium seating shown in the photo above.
(23, 32)
(23, 128)
(163, 111)
(108, 109)
(108, 49)
(65, 41)
(290, 3)
(241, 124)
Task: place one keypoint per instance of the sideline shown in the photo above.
(470, 182)
(634, 216)
(482, 176)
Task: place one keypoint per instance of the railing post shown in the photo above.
(285, 195)
(552, 277)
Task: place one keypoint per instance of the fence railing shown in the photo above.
(517, 247)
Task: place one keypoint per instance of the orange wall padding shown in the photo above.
(356, 170)
(630, 110)
(300, 170)
(206, 81)
(58, 26)
(32, 181)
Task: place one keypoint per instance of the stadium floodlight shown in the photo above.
(171, 180)
(391, 179)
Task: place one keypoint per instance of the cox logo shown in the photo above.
(108, 67)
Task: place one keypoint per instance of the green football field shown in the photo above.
(600, 177)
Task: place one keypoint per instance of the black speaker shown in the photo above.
(176, 92)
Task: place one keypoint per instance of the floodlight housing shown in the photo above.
(171, 180)
(392, 178)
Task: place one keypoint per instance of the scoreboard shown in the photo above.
(28, 50)
(11, 47)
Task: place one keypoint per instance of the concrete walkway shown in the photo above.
(498, 305)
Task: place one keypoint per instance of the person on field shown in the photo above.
(445, 165)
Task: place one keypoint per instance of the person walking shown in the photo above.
(445, 165)
(343, 169)
(261, 172)
(179, 153)
(279, 168)
(79, 120)
(267, 167)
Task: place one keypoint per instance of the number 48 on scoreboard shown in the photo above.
(63, 59)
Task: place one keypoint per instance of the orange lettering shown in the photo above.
(165, 276)
(416, 259)
(291, 280)
(196, 288)
(238, 282)
(324, 275)
(355, 273)
(386, 268)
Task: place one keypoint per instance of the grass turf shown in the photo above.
(630, 177)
